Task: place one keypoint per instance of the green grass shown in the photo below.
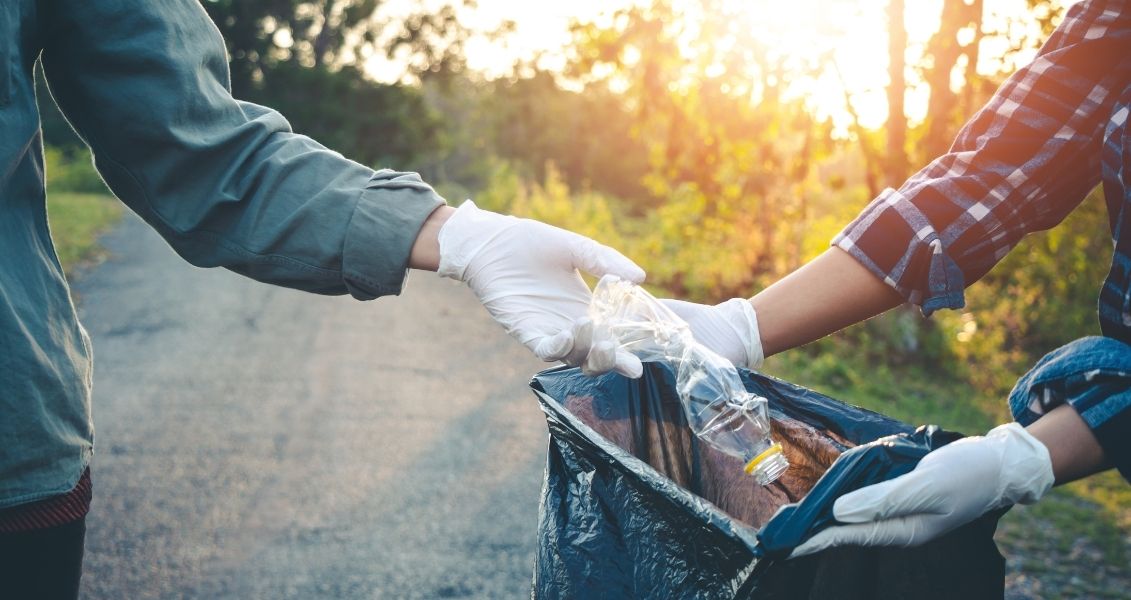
(76, 222)
(910, 393)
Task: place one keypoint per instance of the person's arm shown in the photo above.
(1020, 165)
(964, 480)
(826, 295)
(1074, 451)
(226, 183)
(831, 292)
(425, 253)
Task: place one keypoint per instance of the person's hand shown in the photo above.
(949, 488)
(526, 274)
(729, 329)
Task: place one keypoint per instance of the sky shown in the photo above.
(541, 28)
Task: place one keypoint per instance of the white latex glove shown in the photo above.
(525, 274)
(949, 488)
(729, 329)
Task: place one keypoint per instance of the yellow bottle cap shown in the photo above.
(774, 448)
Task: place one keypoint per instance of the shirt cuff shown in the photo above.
(894, 240)
(1093, 375)
(388, 217)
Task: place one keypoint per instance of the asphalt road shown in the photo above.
(258, 442)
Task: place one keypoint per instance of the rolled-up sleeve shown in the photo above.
(1093, 375)
(1021, 164)
(226, 183)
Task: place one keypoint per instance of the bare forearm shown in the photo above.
(425, 252)
(1074, 450)
(826, 295)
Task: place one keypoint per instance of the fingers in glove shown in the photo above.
(554, 347)
(822, 541)
(602, 358)
(581, 346)
(568, 345)
(629, 365)
(904, 531)
(600, 260)
(606, 355)
(687, 311)
(914, 493)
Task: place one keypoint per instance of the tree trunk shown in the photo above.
(970, 98)
(944, 50)
(321, 43)
(896, 163)
(871, 160)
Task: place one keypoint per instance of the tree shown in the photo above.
(896, 163)
(728, 153)
(958, 37)
(331, 34)
(306, 59)
(375, 124)
(586, 135)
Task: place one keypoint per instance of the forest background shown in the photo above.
(701, 138)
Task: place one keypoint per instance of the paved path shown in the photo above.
(257, 442)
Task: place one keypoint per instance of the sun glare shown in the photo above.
(853, 34)
(849, 39)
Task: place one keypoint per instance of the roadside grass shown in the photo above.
(76, 221)
(1076, 541)
(909, 393)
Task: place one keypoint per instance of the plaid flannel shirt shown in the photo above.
(1053, 131)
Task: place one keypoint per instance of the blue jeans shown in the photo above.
(44, 563)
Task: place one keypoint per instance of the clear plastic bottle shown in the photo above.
(719, 409)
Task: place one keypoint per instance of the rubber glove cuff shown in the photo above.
(465, 233)
(741, 315)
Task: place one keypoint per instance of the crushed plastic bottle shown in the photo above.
(718, 408)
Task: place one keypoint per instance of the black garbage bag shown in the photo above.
(635, 506)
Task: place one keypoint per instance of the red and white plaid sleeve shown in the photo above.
(1025, 160)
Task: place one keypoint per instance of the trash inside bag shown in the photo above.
(718, 409)
(636, 506)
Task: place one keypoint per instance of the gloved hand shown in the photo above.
(949, 488)
(525, 274)
(729, 329)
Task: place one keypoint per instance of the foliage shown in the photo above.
(731, 161)
(1042, 296)
(262, 34)
(530, 121)
(686, 249)
(303, 59)
(76, 220)
(946, 51)
(71, 171)
(79, 207)
(588, 135)
(551, 200)
(376, 124)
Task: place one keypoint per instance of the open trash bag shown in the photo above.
(635, 506)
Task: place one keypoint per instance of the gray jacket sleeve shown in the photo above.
(226, 183)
